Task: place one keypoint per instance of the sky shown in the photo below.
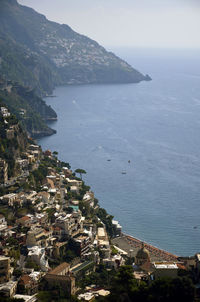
(128, 23)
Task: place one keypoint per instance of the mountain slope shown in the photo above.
(30, 109)
(12, 146)
(50, 54)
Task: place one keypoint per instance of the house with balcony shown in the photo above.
(71, 224)
(38, 236)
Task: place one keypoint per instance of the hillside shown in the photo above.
(42, 54)
(30, 109)
(13, 141)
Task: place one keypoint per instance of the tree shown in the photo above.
(114, 251)
(124, 280)
(55, 155)
(32, 264)
(107, 220)
(172, 290)
(44, 296)
(182, 290)
(80, 171)
(50, 212)
(17, 273)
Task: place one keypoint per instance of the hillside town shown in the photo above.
(55, 236)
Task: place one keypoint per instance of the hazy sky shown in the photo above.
(141, 23)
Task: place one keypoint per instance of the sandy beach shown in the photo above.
(131, 245)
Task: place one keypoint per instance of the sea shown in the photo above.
(140, 146)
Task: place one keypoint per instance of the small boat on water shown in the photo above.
(108, 159)
(123, 172)
(129, 161)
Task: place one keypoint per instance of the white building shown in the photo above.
(5, 112)
(71, 224)
(165, 269)
(37, 255)
(8, 289)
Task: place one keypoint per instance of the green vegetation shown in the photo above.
(107, 220)
(101, 277)
(80, 171)
(37, 176)
(13, 147)
(8, 213)
(13, 243)
(125, 288)
(30, 110)
(86, 210)
(17, 273)
(51, 213)
(21, 66)
(122, 284)
(36, 53)
(58, 294)
(114, 251)
(32, 264)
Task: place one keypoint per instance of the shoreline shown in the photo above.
(131, 245)
(183, 250)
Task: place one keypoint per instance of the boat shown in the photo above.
(108, 159)
(123, 172)
(129, 161)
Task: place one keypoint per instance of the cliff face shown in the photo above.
(42, 54)
(30, 109)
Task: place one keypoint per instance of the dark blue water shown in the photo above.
(155, 125)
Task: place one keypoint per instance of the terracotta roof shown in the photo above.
(68, 278)
(59, 268)
(47, 152)
(25, 279)
(181, 266)
(25, 218)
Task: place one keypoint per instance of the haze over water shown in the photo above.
(155, 125)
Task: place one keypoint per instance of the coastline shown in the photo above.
(139, 168)
(131, 245)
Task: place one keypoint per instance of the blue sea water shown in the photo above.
(155, 125)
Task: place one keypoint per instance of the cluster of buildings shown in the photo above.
(40, 228)
(66, 51)
(23, 161)
(147, 269)
(4, 113)
(10, 130)
(33, 245)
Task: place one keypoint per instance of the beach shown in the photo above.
(131, 245)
